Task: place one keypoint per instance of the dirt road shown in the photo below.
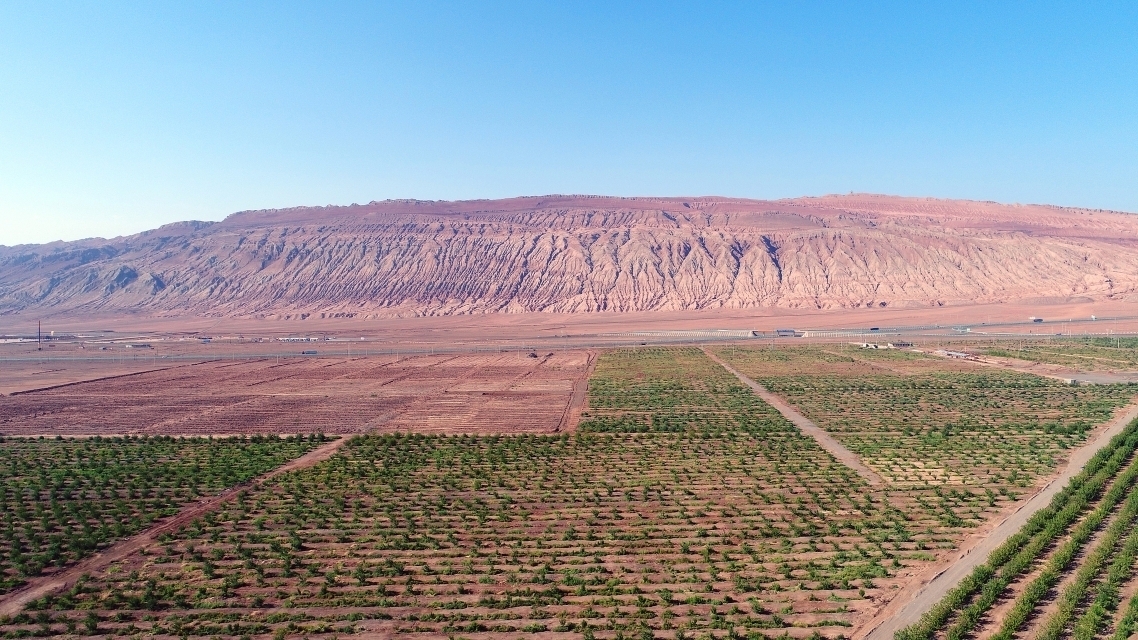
(927, 589)
(1059, 372)
(1054, 371)
(804, 424)
(576, 403)
(12, 603)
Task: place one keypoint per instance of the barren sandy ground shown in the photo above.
(927, 589)
(24, 376)
(807, 426)
(490, 329)
(13, 602)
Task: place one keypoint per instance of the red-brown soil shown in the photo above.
(24, 376)
(585, 254)
(475, 393)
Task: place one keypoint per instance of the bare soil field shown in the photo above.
(32, 374)
(467, 393)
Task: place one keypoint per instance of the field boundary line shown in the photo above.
(926, 589)
(571, 417)
(804, 424)
(103, 378)
(13, 602)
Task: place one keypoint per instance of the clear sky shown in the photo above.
(115, 118)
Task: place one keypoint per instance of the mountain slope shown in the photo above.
(583, 254)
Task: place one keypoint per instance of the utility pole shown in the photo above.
(39, 335)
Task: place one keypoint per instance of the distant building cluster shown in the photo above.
(889, 345)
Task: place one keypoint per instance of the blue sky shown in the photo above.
(115, 118)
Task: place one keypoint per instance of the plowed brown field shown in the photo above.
(469, 393)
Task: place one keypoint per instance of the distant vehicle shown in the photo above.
(785, 333)
(1037, 319)
(875, 328)
(307, 353)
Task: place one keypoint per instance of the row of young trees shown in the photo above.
(61, 499)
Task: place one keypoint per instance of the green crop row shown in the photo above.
(1106, 600)
(669, 390)
(1012, 558)
(1073, 595)
(922, 422)
(715, 515)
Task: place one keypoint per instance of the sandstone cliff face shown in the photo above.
(584, 254)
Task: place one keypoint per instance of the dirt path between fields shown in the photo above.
(13, 602)
(572, 415)
(927, 588)
(804, 424)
